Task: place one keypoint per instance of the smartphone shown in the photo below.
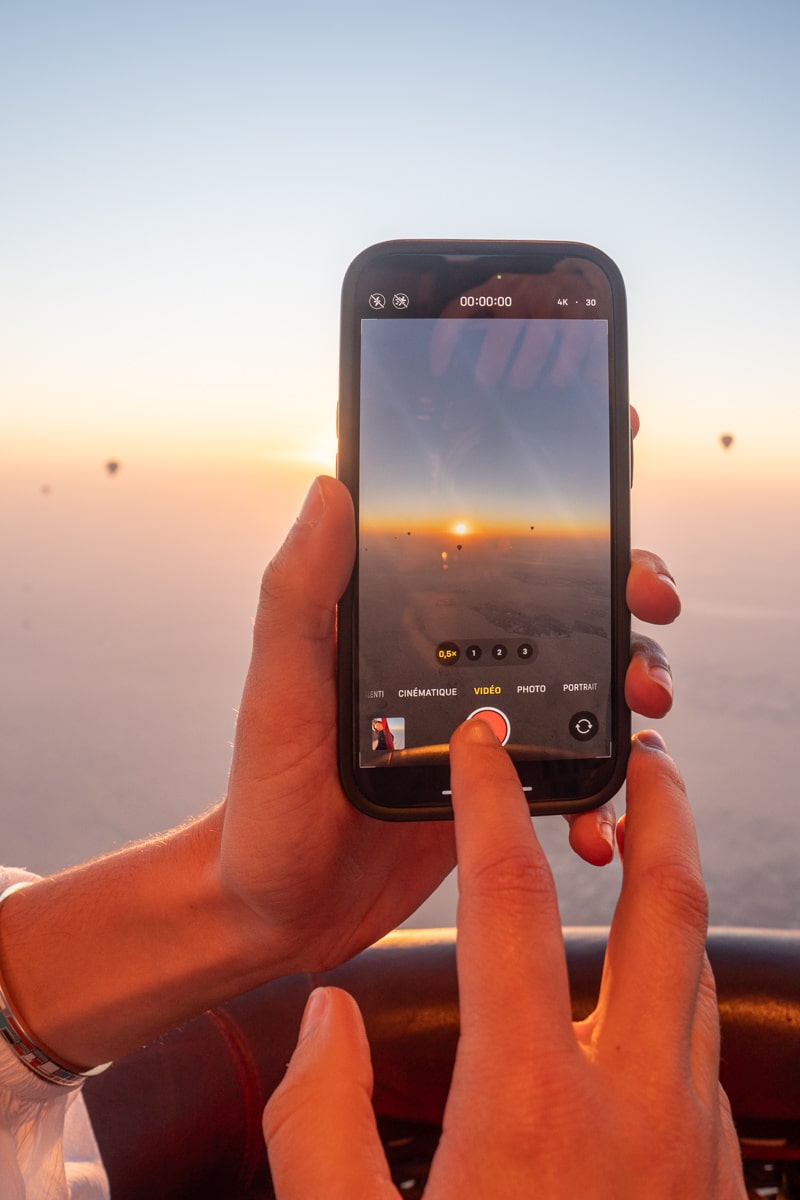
(484, 434)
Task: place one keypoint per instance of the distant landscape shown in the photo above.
(125, 626)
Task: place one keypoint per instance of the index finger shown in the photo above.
(512, 973)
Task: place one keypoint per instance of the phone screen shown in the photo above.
(485, 463)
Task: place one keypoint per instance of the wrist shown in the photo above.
(103, 958)
(31, 1054)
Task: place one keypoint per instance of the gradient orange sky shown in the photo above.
(185, 189)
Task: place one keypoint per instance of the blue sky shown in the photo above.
(185, 184)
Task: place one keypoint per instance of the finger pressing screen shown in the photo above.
(511, 965)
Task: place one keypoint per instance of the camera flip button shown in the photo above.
(583, 726)
(497, 721)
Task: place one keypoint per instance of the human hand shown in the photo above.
(321, 880)
(623, 1104)
(316, 881)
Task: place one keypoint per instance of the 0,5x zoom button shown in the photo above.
(447, 653)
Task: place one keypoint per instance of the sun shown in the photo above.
(461, 528)
(319, 452)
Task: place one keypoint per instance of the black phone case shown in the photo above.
(347, 471)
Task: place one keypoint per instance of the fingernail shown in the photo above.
(314, 1011)
(313, 505)
(661, 676)
(606, 831)
(651, 739)
(668, 580)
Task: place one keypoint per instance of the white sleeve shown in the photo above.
(47, 1148)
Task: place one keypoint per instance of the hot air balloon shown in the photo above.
(727, 440)
(112, 466)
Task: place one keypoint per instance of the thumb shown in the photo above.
(293, 657)
(319, 1124)
(313, 565)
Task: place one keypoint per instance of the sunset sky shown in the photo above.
(185, 184)
(451, 445)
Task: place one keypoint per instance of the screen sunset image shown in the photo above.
(484, 520)
(441, 449)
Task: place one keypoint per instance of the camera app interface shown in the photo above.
(484, 528)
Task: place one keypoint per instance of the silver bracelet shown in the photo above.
(21, 1042)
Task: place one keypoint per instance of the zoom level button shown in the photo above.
(447, 653)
